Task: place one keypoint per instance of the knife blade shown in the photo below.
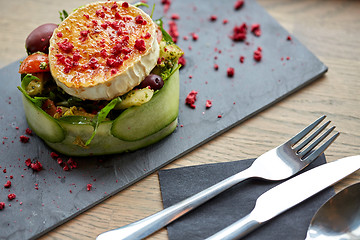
(288, 194)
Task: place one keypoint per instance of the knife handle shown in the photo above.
(237, 230)
(151, 224)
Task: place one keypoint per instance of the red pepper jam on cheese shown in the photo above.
(103, 50)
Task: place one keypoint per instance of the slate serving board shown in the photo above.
(48, 198)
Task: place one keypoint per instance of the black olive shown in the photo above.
(154, 81)
(38, 39)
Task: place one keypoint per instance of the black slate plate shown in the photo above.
(255, 86)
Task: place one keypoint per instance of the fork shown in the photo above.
(277, 164)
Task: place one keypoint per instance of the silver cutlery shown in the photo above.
(288, 194)
(277, 164)
(338, 218)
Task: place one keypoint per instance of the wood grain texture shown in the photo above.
(329, 28)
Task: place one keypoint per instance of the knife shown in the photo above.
(288, 194)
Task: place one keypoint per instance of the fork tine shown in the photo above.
(309, 139)
(321, 149)
(303, 133)
(314, 144)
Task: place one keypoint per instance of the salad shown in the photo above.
(103, 81)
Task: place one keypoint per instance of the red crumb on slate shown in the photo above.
(208, 104)
(24, 139)
(242, 59)
(289, 38)
(54, 155)
(258, 54)
(175, 16)
(219, 116)
(28, 162)
(255, 29)
(88, 187)
(28, 131)
(166, 4)
(225, 21)
(173, 31)
(194, 36)
(213, 18)
(11, 196)
(238, 4)
(239, 32)
(36, 166)
(230, 72)
(2, 205)
(191, 98)
(7, 184)
(73, 164)
(216, 67)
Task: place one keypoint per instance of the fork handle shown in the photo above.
(236, 230)
(151, 224)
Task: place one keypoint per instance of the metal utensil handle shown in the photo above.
(151, 224)
(236, 230)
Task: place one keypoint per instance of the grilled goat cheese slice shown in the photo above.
(103, 50)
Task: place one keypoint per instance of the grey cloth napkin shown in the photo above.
(233, 204)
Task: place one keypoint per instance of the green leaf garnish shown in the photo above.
(100, 117)
(63, 15)
(139, 4)
(152, 11)
(36, 100)
(166, 36)
(170, 73)
(27, 79)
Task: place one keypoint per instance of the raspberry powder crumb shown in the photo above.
(230, 72)
(11, 196)
(88, 187)
(239, 32)
(255, 29)
(242, 59)
(191, 98)
(24, 139)
(2, 205)
(258, 54)
(54, 155)
(7, 184)
(238, 4)
(208, 104)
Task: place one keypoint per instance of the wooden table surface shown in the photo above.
(329, 28)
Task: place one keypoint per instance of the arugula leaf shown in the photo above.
(36, 100)
(165, 34)
(139, 4)
(63, 15)
(100, 117)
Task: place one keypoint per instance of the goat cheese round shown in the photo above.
(103, 50)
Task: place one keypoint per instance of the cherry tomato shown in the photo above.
(49, 107)
(34, 63)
